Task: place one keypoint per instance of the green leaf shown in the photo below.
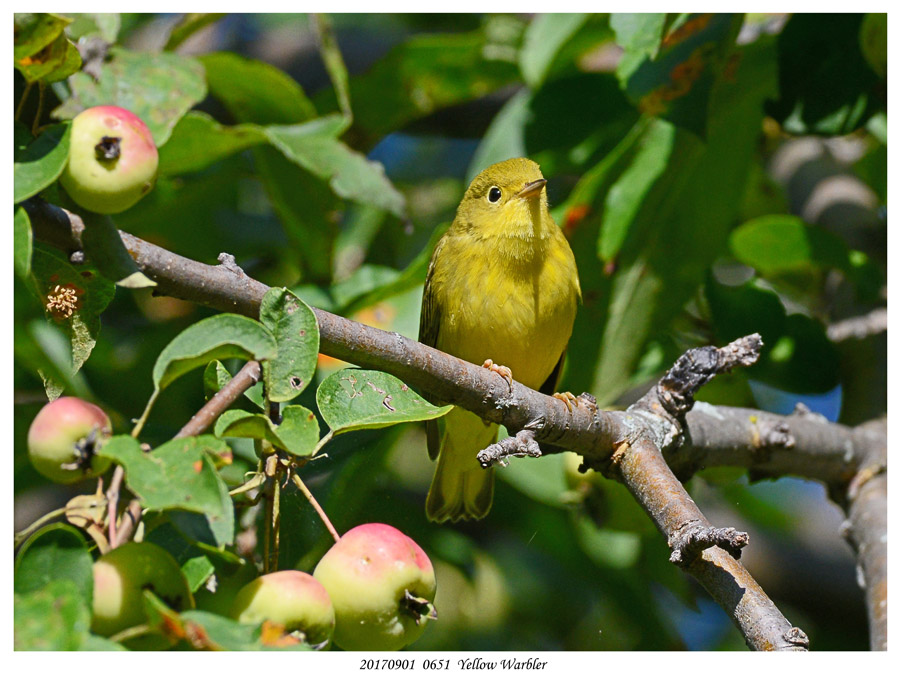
(105, 25)
(797, 355)
(428, 73)
(297, 433)
(52, 618)
(195, 564)
(608, 548)
(45, 349)
(677, 84)
(199, 141)
(296, 332)
(780, 244)
(216, 376)
(90, 291)
(180, 474)
(169, 85)
(308, 220)
(98, 644)
(826, 87)
(68, 63)
(254, 91)
(639, 35)
(505, 137)
(544, 38)
(55, 552)
(22, 242)
(354, 399)
(188, 25)
(224, 634)
(36, 31)
(873, 41)
(682, 226)
(104, 247)
(314, 146)
(334, 62)
(40, 164)
(627, 194)
(54, 62)
(214, 338)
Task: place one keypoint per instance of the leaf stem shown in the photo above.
(318, 508)
(25, 93)
(40, 522)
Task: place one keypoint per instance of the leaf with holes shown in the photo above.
(296, 332)
(169, 86)
(358, 399)
(180, 475)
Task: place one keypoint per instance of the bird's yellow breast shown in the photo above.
(510, 300)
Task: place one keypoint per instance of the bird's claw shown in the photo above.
(501, 370)
(568, 398)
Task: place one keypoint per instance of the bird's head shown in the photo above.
(507, 199)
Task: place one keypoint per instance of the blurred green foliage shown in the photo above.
(654, 132)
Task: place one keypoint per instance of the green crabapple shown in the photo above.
(62, 439)
(381, 584)
(121, 576)
(291, 598)
(112, 160)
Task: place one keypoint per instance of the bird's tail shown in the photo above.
(461, 489)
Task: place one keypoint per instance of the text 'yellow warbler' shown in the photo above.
(502, 291)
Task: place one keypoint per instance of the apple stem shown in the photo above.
(318, 508)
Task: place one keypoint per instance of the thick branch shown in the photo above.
(866, 530)
(644, 472)
(635, 436)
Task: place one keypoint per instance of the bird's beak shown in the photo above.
(533, 189)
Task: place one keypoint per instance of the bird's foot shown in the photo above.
(501, 370)
(568, 398)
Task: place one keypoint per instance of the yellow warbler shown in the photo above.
(501, 290)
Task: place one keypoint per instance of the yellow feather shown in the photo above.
(502, 285)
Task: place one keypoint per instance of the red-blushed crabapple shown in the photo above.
(381, 584)
(112, 160)
(121, 576)
(62, 439)
(291, 598)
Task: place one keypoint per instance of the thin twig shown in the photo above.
(245, 378)
(318, 508)
(130, 520)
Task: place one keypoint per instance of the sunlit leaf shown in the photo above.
(357, 399)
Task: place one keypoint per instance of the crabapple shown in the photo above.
(381, 584)
(62, 439)
(112, 160)
(291, 598)
(121, 576)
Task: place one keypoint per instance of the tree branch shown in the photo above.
(661, 421)
(245, 378)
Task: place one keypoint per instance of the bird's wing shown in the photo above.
(430, 317)
(429, 327)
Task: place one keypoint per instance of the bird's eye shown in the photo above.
(494, 194)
